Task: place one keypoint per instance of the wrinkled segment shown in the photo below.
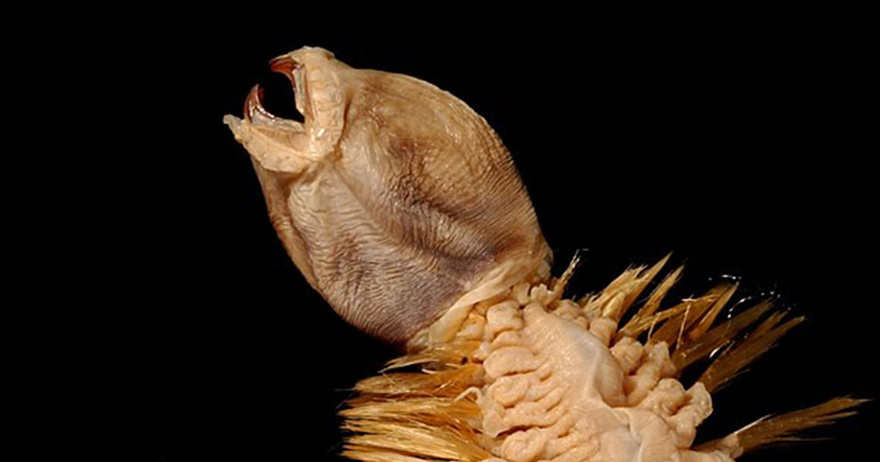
(556, 391)
(397, 202)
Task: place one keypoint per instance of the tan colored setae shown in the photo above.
(402, 207)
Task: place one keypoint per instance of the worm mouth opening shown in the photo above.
(256, 114)
(255, 111)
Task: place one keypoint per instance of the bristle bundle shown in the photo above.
(784, 428)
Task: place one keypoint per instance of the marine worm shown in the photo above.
(402, 207)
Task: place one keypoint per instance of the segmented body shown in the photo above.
(402, 207)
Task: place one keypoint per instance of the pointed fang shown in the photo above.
(253, 105)
(285, 65)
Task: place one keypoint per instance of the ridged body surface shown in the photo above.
(393, 198)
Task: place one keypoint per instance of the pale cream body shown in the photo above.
(555, 392)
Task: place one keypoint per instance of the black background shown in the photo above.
(741, 146)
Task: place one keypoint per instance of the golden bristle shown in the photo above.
(674, 329)
(619, 296)
(719, 336)
(367, 454)
(417, 416)
(434, 411)
(645, 318)
(708, 320)
(783, 427)
(646, 323)
(434, 428)
(450, 353)
(559, 284)
(734, 360)
(449, 382)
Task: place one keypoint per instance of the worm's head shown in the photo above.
(283, 145)
(395, 200)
